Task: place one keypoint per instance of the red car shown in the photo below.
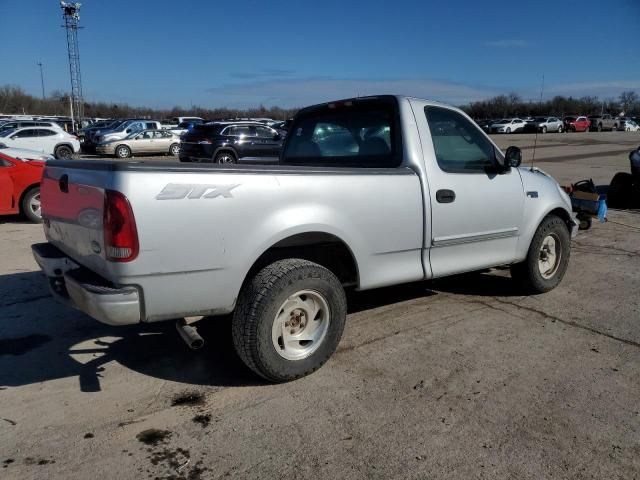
(576, 124)
(20, 187)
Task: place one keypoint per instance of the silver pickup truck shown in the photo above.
(369, 192)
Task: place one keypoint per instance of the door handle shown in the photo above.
(445, 196)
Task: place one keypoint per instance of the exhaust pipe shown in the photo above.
(189, 334)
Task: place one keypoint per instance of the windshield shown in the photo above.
(8, 132)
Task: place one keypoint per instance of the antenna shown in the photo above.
(71, 16)
(535, 141)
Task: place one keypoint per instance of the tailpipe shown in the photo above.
(189, 334)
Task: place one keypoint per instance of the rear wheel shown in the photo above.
(547, 259)
(63, 152)
(225, 157)
(289, 319)
(30, 206)
(122, 151)
(174, 149)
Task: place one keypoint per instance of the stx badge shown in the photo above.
(177, 191)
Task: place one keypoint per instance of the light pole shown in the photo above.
(41, 78)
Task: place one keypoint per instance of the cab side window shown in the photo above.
(28, 133)
(459, 146)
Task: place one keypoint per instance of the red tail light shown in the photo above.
(120, 233)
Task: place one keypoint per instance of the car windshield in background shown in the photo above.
(570, 119)
(8, 132)
(502, 122)
(360, 134)
(540, 119)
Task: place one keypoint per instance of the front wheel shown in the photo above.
(174, 149)
(289, 319)
(547, 259)
(225, 157)
(544, 129)
(508, 130)
(30, 206)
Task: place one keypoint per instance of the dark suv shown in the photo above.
(231, 142)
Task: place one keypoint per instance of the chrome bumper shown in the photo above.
(81, 289)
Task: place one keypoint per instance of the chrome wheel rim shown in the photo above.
(175, 150)
(300, 325)
(35, 205)
(549, 256)
(225, 158)
(122, 152)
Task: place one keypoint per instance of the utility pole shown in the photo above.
(71, 16)
(41, 79)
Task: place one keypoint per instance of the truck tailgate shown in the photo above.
(72, 210)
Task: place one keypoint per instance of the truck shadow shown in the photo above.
(41, 340)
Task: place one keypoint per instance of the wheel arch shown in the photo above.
(321, 247)
(226, 148)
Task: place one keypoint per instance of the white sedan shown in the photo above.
(628, 126)
(55, 142)
(25, 154)
(508, 125)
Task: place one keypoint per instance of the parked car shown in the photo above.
(145, 142)
(628, 125)
(544, 125)
(184, 127)
(231, 142)
(20, 187)
(486, 123)
(276, 244)
(508, 125)
(54, 141)
(603, 122)
(29, 123)
(25, 154)
(576, 124)
(124, 129)
(179, 120)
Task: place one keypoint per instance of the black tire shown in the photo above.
(225, 157)
(257, 309)
(599, 127)
(544, 129)
(508, 130)
(27, 205)
(174, 149)
(528, 274)
(63, 152)
(620, 193)
(122, 151)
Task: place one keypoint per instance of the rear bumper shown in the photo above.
(83, 290)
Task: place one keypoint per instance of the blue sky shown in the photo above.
(211, 53)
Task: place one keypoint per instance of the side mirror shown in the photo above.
(512, 158)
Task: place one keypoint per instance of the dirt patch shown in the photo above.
(203, 419)
(153, 436)
(22, 345)
(189, 399)
(88, 435)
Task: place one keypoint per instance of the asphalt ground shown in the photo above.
(459, 378)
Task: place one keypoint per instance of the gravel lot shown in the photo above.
(458, 378)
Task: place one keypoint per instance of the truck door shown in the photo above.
(6, 187)
(476, 212)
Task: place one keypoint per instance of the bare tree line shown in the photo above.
(512, 105)
(14, 100)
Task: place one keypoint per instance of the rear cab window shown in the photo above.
(353, 133)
